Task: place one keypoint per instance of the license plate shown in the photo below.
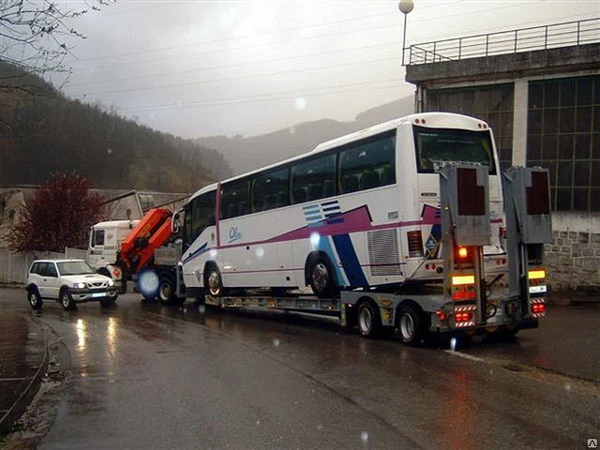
(98, 294)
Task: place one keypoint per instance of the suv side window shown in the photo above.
(36, 268)
(51, 270)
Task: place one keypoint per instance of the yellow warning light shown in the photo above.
(460, 280)
(463, 252)
(538, 274)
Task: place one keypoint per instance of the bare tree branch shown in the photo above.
(34, 34)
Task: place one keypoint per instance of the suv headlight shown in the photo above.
(111, 283)
(79, 285)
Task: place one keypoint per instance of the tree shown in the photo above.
(58, 216)
(33, 33)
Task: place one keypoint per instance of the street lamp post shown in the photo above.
(405, 6)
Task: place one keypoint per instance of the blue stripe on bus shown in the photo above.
(335, 220)
(196, 252)
(345, 250)
(332, 208)
(334, 202)
(325, 246)
(309, 207)
(313, 217)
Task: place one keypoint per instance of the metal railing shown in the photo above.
(543, 37)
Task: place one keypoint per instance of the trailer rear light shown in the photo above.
(462, 252)
(463, 287)
(538, 308)
(415, 244)
(463, 316)
(537, 274)
(461, 280)
(441, 315)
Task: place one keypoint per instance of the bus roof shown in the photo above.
(439, 119)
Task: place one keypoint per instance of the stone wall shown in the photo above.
(573, 261)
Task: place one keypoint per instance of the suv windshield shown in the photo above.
(438, 146)
(74, 268)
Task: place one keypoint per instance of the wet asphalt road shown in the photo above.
(148, 377)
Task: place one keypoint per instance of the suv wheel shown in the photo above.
(66, 300)
(34, 298)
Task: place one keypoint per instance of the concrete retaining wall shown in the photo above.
(574, 261)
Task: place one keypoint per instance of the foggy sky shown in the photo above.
(202, 68)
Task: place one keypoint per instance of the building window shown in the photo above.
(493, 104)
(563, 135)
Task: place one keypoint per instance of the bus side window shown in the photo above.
(311, 176)
(368, 164)
(199, 216)
(234, 199)
(270, 190)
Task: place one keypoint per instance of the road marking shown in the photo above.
(464, 355)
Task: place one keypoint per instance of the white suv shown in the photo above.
(69, 281)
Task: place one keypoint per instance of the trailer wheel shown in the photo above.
(166, 291)
(410, 325)
(369, 320)
(213, 283)
(321, 278)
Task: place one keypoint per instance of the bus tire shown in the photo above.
(166, 291)
(410, 325)
(369, 319)
(321, 277)
(213, 283)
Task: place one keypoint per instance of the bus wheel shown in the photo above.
(212, 281)
(166, 291)
(410, 325)
(369, 320)
(321, 278)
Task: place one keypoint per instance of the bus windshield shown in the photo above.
(435, 147)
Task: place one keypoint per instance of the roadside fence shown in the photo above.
(14, 266)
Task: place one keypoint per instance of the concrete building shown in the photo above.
(539, 89)
(119, 205)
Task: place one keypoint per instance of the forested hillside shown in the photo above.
(41, 132)
(248, 153)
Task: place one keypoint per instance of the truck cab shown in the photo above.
(105, 244)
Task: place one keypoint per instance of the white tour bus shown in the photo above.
(358, 211)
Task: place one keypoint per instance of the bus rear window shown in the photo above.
(437, 146)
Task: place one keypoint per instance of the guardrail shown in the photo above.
(544, 37)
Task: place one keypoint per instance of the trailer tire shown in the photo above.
(321, 277)
(410, 325)
(166, 291)
(369, 320)
(213, 283)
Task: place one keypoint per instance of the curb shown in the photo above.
(22, 402)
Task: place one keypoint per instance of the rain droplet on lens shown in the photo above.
(567, 387)
(364, 437)
(319, 427)
(276, 342)
(201, 309)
